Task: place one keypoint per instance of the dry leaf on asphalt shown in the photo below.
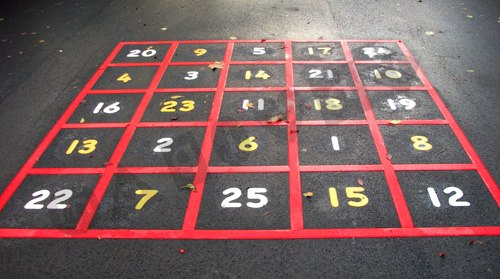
(189, 186)
(216, 65)
(308, 194)
(275, 119)
(429, 33)
(389, 156)
(361, 182)
(395, 122)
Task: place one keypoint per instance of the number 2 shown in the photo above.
(163, 145)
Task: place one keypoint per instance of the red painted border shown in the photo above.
(297, 230)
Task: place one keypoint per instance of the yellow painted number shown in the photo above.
(421, 143)
(355, 193)
(148, 194)
(324, 50)
(260, 74)
(169, 106)
(124, 78)
(331, 104)
(200, 51)
(248, 145)
(88, 146)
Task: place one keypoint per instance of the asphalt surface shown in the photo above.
(50, 49)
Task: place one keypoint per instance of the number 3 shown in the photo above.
(191, 75)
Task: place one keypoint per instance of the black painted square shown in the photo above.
(189, 77)
(60, 200)
(419, 144)
(388, 75)
(460, 199)
(403, 105)
(142, 53)
(317, 51)
(250, 146)
(199, 52)
(179, 107)
(126, 78)
(144, 201)
(247, 106)
(376, 51)
(106, 108)
(336, 145)
(164, 147)
(256, 76)
(258, 52)
(338, 200)
(73, 148)
(322, 75)
(245, 201)
(328, 105)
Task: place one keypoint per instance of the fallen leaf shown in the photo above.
(470, 16)
(429, 33)
(99, 237)
(308, 194)
(308, 106)
(189, 186)
(238, 125)
(267, 213)
(216, 65)
(149, 47)
(361, 182)
(473, 241)
(395, 122)
(60, 50)
(250, 105)
(442, 254)
(82, 120)
(263, 40)
(41, 41)
(182, 251)
(164, 29)
(389, 156)
(470, 71)
(275, 119)
(173, 118)
(175, 97)
(233, 38)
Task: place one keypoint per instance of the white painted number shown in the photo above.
(252, 194)
(163, 144)
(228, 202)
(61, 196)
(113, 108)
(146, 53)
(314, 73)
(335, 143)
(370, 51)
(247, 104)
(259, 50)
(453, 200)
(191, 75)
(406, 103)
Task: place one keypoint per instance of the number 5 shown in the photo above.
(256, 194)
(259, 50)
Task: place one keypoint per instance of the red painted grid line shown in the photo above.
(134, 64)
(14, 184)
(255, 41)
(66, 171)
(253, 234)
(392, 180)
(481, 168)
(194, 202)
(296, 216)
(117, 91)
(103, 182)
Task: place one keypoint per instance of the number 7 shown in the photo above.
(148, 194)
